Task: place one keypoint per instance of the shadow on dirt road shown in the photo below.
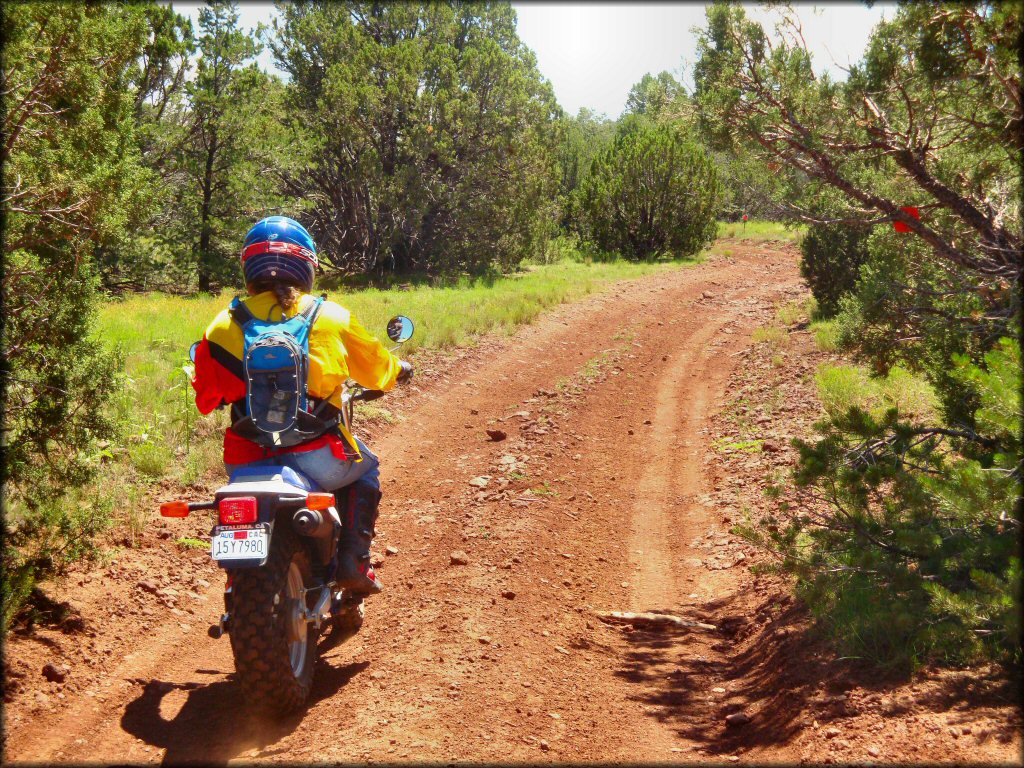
(693, 682)
(763, 661)
(208, 728)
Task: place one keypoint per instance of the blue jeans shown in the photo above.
(324, 468)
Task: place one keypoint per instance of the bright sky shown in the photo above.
(593, 53)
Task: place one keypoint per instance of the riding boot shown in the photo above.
(358, 510)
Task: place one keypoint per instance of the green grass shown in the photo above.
(188, 543)
(156, 330)
(544, 490)
(841, 387)
(826, 335)
(729, 445)
(772, 335)
(759, 230)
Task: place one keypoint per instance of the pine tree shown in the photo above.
(226, 153)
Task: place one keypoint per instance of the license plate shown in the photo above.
(240, 544)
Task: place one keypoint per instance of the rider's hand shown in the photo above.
(406, 373)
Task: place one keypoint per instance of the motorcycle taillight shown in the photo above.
(237, 509)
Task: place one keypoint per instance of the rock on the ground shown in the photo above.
(480, 482)
(458, 557)
(737, 718)
(148, 586)
(508, 594)
(391, 550)
(496, 435)
(54, 673)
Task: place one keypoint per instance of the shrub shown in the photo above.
(831, 255)
(79, 188)
(910, 551)
(911, 310)
(652, 192)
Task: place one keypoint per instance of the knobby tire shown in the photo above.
(259, 635)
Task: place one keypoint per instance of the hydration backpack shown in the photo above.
(275, 362)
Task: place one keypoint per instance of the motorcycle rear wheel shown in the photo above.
(274, 647)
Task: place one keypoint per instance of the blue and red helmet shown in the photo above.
(279, 248)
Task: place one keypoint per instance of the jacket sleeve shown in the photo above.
(219, 378)
(208, 394)
(369, 361)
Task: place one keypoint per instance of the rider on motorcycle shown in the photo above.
(278, 262)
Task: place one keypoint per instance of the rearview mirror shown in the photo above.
(192, 351)
(400, 329)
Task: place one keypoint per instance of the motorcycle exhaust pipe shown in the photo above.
(313, 523)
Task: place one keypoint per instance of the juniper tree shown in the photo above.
(73, 183)
(429, 134)
(908, 546)
(651, 192)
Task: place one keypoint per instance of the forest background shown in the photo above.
(422, 147)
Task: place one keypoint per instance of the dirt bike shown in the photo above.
(276, 536)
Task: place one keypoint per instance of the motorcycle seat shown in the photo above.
(256, 473)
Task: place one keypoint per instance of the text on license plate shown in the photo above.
(239, 545)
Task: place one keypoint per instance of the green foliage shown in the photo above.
(582, 138)
(842, 387)
(826, 335)
(906, 312)
(157, 82)
(916, 554)
(73, 185)
(775, 337)
(908, 547)
(428, 134)
(654, 95)
(751, 185)
(861, 148)
(760, 230)
(231, 129)
(189, 543)
(831, 255)
(652, 192)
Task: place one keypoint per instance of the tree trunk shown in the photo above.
(205, 257)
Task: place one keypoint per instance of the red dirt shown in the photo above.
(609, 494)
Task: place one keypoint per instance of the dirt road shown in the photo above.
(596, 501)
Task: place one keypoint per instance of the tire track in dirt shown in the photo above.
(672, 465)
(446, 665)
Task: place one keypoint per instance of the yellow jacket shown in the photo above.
(339, 348)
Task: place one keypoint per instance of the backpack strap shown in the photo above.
(313, 309)
(240, 313)
(314, 305)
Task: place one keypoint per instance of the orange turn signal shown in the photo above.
(320, 500)
(174, 509)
